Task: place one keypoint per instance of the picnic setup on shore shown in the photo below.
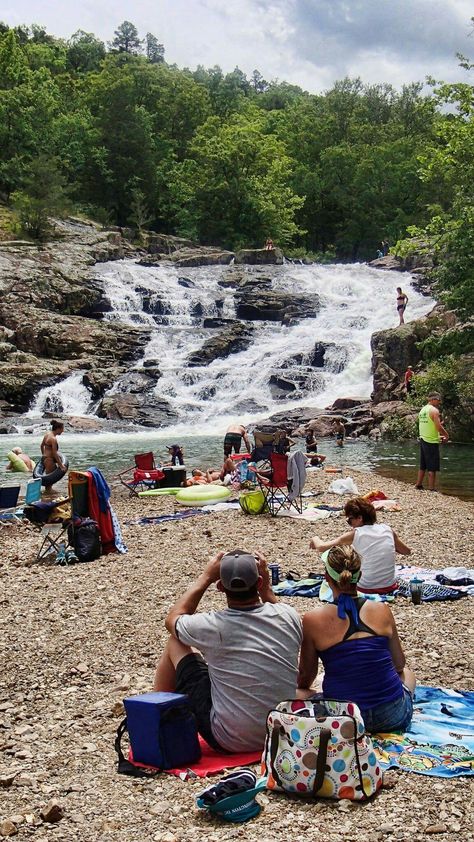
(327, 740)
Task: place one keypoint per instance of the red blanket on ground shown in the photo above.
(210, 763)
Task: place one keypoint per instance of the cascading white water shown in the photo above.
(355, 301)
(69, 397)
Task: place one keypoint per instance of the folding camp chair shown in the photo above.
(53, 535)
(142, 475)
(78, 493)
(277, 487)
(8, 500)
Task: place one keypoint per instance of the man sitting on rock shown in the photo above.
(250, 652)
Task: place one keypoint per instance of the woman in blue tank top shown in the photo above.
(358, 644)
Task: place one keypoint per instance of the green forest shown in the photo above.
(116, 133)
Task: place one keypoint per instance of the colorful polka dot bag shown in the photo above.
(319, 748)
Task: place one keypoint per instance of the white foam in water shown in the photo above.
(355, 301)
(69, 397)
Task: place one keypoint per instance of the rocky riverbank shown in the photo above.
(75, 641)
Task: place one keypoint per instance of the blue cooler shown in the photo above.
(162, 730)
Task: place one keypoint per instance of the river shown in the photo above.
(354, 301)
(112, 452)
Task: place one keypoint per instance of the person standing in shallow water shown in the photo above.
(402, 301)
(431, 432)
(49, 448)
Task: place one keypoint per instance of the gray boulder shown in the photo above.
(144, 410)
(269, 305)
(253, 257)
(236, 338)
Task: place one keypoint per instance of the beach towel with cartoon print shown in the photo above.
(440, 741)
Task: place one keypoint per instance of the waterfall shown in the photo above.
(277, 370)
(69, 397)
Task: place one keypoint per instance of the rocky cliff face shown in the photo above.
(395, 349)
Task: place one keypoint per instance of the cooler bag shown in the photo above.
(162, 730)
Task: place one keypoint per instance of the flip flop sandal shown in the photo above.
(293, 576)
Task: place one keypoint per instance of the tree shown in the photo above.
(139, 211)
(44, 195)
(85, 52)
(155, 52)
(126, 39)
(258, 82)
(234, 186)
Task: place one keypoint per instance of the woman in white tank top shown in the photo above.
(376, 544)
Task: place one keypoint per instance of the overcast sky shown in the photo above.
(310, 43)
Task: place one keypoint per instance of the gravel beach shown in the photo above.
(75, 641)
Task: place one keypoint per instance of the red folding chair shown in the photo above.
(142, 475)
(276, 486)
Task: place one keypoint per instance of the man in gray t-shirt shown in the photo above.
(250, 652)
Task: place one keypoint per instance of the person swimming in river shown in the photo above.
(402, 301)
(49, 448)
(24, 458)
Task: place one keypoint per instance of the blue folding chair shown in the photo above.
(8, 499)
(32, 494)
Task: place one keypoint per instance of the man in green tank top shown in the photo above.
(431, 432)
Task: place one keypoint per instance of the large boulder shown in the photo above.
(254, 257)
(23, 374)
(236, 338)
(144, 410)
(270, 305)
(202, 256)
(72, 337)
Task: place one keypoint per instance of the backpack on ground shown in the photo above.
(319, 748)
(84, 536)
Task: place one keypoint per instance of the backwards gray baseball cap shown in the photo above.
(239, 571)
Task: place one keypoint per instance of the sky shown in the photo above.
(310, 43)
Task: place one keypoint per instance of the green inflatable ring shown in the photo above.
(202, 495)
(159, 492)
(17, 464)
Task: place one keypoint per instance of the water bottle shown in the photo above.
(416, 586)
(274, 573)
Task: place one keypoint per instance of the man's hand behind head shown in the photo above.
(212, 570)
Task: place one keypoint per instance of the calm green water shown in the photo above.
(111, 452)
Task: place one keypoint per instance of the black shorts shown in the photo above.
(429, 456)
(192, 679)
(232, 440)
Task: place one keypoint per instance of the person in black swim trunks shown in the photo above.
(402, 301)
(339, 431)
(233, 439)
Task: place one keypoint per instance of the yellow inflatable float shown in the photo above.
(17, 464)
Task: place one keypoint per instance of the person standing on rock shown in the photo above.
(233, 439)
(431, 432)
(49, 448)
(402, 301)
(409, 373)
(249, 659)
